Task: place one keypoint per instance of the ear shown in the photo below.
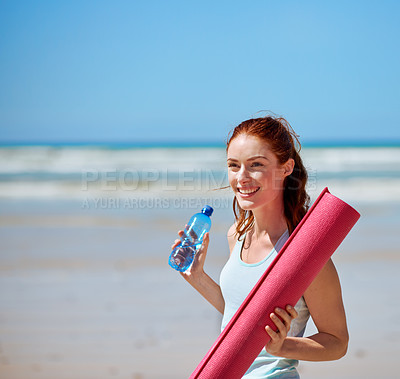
(288, 167)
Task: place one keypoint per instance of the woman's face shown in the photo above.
(254, 172)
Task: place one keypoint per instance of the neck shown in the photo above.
(270, 220)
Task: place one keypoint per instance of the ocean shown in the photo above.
(366, 174)
(85, 234)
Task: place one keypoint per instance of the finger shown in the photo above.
(285, 317)
(175, 244)
(272, 333)
(279, 324)
(292, 311)
(206, 240)
(202, 252)
(204, 244)
(177, 241)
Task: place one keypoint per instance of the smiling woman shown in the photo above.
(268, 178)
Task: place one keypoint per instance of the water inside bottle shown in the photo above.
(182, 257)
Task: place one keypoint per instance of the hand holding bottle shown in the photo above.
(186, 249)
(197, 266)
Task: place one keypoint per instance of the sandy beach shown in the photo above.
(87, 293)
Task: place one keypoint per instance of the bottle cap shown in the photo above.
(207, 210)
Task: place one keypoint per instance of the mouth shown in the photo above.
(247, 192)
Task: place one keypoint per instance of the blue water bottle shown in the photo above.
(199, 224)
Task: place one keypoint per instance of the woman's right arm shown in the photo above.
(198, 278)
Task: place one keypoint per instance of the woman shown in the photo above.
(268, 179)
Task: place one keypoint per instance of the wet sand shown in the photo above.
(88, 294)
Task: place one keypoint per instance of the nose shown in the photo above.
(243, 175)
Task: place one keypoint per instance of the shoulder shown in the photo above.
(232, 237)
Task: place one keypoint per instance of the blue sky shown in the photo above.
(132, 71)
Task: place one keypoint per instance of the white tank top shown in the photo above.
(237, 280)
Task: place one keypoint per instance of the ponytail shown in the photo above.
(295, 198)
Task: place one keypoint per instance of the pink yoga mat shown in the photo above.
(305, 253)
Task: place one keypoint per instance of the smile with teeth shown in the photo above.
(248, 191)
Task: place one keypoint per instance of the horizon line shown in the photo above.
(200, 144)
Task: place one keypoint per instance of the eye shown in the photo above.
(256, 164)
(232, 165)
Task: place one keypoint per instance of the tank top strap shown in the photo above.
(237, 249)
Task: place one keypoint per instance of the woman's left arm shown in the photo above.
(324, 301)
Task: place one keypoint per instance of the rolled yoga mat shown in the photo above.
(302, 257)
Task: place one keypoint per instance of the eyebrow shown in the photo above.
(250, 159)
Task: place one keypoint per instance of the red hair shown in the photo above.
(284, 143)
